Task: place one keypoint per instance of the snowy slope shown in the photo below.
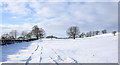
(97, 49)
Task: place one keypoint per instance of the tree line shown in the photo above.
(74, 32)
(37, 33)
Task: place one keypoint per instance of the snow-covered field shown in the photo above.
(97, 49)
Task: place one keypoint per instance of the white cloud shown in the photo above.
(14, 17)
(91, 16)
(88, 16)
(24, 27)
(1, 7)
(9, 26)
(0, 4)
(16, 8)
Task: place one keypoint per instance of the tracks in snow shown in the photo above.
(41, 54)
(56, 57)
(37, 51)
(61, 59)
(29, 59)
(53, 60)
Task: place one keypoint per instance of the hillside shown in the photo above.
(97, 49)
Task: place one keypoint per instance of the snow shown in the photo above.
(96, 49)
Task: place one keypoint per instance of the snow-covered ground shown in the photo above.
(97, 49)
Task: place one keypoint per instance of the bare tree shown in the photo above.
(97, 32)
(11, 38)
(73, 31)
(41, 33)
(4, 37)
(29, 35)
(7, 37)
(87, 34)
(38, 32)
(90, 33)
(14, 33)
(35, 31)
(104, 31)
(82, 35)
(114, 32)
(93, 33)
(23, 34)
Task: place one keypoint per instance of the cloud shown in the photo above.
(24, 27)
(56, 17)
(9, 26)
(14, 17)
(90, 16)
(16, 8)
(1, 7)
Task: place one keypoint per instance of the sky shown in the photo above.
(56, 17)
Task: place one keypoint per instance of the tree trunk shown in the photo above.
(114, 34)
(74, 36)
(37, 37)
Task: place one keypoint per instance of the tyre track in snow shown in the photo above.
(74, 61)
(41, 53)
(53, 60)
(35, 52)
(29, 59)
(59, 58)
